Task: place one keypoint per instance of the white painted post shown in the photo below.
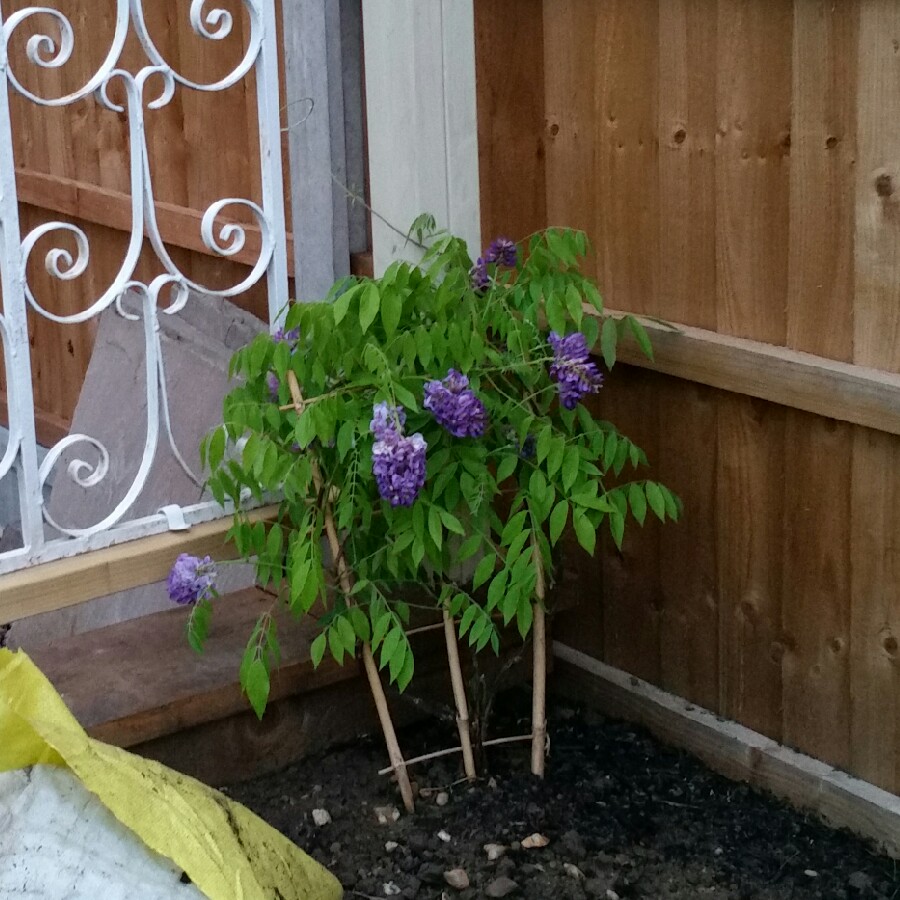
(422, 123)
(313, 75)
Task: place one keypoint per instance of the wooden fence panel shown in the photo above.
(735, 164)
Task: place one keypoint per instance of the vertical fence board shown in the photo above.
(571, 114)
(817, 452)
(510, 89)
(875, 595)
(748, 513)
(687, 293)
(753, 99)
(631, 587)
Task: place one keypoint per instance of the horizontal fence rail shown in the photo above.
(222, 230)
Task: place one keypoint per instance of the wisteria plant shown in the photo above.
(426, 436)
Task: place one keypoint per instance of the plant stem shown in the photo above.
(459, 695)
(384, 715)
(539, 675)
(437, 754)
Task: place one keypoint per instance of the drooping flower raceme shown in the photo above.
(273, 384)
(479, 276)
(573, 369)
(455, 405)
(398, 463)
(387, 420)
(192, 579)
(502, 251)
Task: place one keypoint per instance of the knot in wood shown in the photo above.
(884, 185)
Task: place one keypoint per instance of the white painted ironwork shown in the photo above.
(152, 87)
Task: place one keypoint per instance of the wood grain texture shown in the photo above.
(509, 70)
(735, 165)
(753, 101)
(875, 567)
(632, 594)
(689, 658)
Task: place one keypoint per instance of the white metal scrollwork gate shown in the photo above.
(142, 91)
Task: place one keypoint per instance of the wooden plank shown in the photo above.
(734, 750)
(816, 566)
(857, 394)
(68, 582)
(874, 601)
(875, 569)
(178, 225)
(687, 293)
(687, 163)
(815, 666)
(313, 74)
(509, 66)
(753, 98)
(753, 101)
(154, 684)
(823, 160)
(632, 596)
(688, 584)
(750, 491)
(625, 123)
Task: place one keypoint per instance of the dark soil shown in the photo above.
(625, 817)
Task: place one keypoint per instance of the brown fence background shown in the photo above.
(737, 165)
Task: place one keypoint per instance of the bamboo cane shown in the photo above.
(459, 696)
(539, 674)
(384, 715)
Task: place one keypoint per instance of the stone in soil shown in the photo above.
(639, 820)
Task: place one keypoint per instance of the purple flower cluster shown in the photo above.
(192, 579)
(398, 461)
(573, 369)
(273, 384)
(502, 252)
(387, 421)
(455, 406)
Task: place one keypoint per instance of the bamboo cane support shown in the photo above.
(459, 696)
(539, 675)
(377, 688)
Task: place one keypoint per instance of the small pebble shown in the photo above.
(442, 835)
(500, 887)
(321, 817)
(442, 799)
(534, 841)
(810, 873)
(391, 846)
(386, 814)
(457, 878)
(573, 871)
(392, 890)
(494, 851)
(611, 894)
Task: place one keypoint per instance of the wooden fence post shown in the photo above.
(315, 121)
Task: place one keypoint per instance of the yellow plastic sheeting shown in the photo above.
(228, 852)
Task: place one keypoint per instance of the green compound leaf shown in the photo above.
(368, 306)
